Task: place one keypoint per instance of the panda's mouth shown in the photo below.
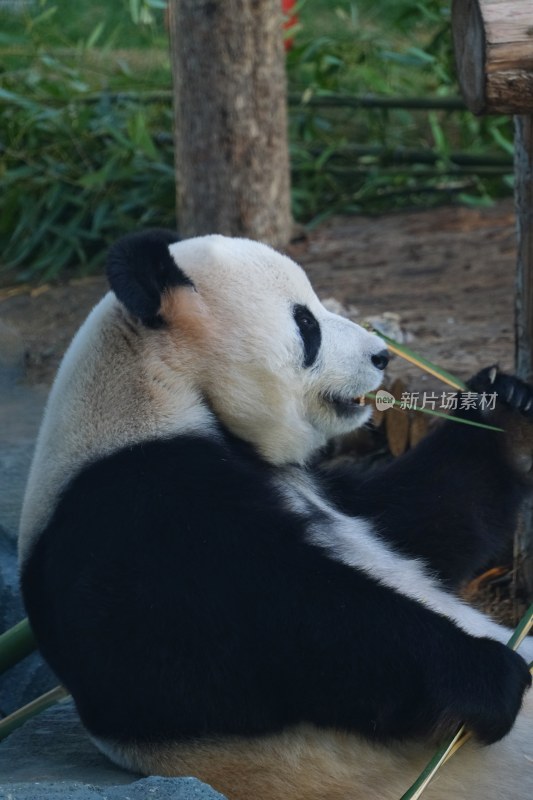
(347, 406)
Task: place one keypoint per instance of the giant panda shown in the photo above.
(218, 602)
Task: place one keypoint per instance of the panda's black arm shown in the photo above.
(453, 500)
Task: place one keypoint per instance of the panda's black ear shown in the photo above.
(140, 268)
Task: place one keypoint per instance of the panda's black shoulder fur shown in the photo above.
(176, 594)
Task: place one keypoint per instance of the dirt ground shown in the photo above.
(446, 276)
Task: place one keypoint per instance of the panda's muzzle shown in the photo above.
(351, 406)
(346, 406)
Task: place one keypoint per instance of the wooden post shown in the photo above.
(493, 42)
(524, 211)
(524, 310)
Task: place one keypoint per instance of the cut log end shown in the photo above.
(493, 42)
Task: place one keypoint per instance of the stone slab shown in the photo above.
(21, 410)
(51, 757)
(152, 788)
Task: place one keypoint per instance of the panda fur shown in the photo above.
(220, 607)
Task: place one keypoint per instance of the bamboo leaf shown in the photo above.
(423, 363)
(95, 35)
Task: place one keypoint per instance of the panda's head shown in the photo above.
(242, 323)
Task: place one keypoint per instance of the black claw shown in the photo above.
(520, 398)
(511, 391)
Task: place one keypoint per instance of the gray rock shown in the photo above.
(52, 758)
(21, 409)
(11, 609)
(53, 746)
(145, 789)
(24, 682)
(31, 677)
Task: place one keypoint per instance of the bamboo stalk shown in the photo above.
(427, 368)
(22, 715)
(15, 644)
(424, 363)
(522, 629)
(415, 791)
(462, 735)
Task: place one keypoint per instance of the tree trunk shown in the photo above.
(232, 163)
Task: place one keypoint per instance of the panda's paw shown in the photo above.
(506, 390)
(493, 697)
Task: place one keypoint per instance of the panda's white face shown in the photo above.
(277, 367)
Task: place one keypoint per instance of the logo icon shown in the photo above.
(384, 400)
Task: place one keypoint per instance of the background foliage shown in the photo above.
(86, 122)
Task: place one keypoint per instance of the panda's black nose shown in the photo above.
(381, 359)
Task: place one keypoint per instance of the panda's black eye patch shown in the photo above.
(310, 333)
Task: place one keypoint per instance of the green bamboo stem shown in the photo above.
(22, 715)
(462, 735)
(522, 629)
(422, 362)
(15, 644)
(415, 791)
